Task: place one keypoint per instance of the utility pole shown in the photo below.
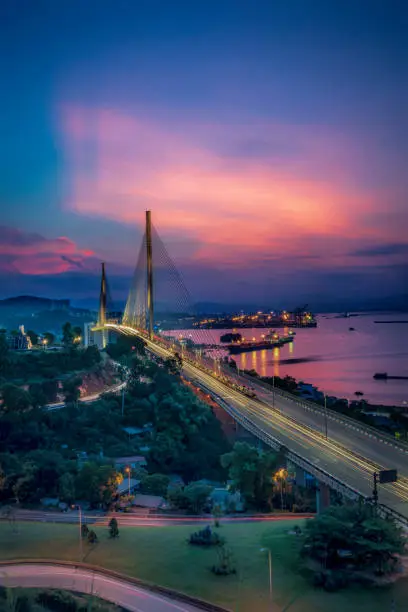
(273, 391)
(80, 532)
(268, 550)
(149, 252)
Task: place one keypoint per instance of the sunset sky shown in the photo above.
(269, 139)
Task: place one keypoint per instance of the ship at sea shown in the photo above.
(268, 341)
(300, 317)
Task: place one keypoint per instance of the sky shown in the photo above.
(269, 139)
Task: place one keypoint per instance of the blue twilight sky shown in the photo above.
(269, 138)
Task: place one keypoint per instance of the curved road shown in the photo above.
(117, 591)
(347, 454)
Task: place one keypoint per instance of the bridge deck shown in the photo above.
(349, 455)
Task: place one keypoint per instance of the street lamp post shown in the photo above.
(80, 529)
(325, 416)
(128, 473)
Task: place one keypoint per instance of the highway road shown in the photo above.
(88, 399)
(117, 591)
(347, 454)
(143, 520)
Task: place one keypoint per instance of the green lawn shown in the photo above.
(161, 555)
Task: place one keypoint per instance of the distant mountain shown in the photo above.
(41, 314)
(31, 301)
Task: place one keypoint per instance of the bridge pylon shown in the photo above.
(149, 258)
(102, 299)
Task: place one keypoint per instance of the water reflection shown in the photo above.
(335, 359)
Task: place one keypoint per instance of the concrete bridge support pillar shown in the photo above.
(322, 497)
(300, 476)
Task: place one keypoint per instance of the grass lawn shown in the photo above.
(161, 555)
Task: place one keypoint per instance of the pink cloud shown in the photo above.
(33, 254)
(235, 206)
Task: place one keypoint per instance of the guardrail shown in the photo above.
(319, 473)
(333, 415)
(148, 586)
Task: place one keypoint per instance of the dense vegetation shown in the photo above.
(351, 542)
(44, 600)
(44, 364)
(40, 450)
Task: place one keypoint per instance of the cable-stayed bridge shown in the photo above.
(342, 454)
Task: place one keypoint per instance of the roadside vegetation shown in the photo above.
(51, 600)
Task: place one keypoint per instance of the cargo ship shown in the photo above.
(300, 317)
(270, 341)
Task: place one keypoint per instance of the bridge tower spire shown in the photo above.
(149, 258)
(102, 299)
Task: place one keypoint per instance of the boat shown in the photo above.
(385, 376)
(271, 340)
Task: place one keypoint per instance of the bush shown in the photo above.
(206, 537)
(225, 565)
(331, 580)
(92, 537)
(57, 601)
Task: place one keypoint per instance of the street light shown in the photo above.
(80, 529)
(325, 416)
(128, 471)
(268, 550)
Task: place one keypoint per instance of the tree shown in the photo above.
(192, 498)
(14, 399)
(154, 484)
(92, 537)
(38, 397)
(113, 528)
(251, 471)
(66, 487)
(33, 336)
(50, 390)
(97, 483)
(353, 535)
(49, 338)
(71, 389)
(217, 514)
(91, 356)
(67, 334)
(4, 350)
(173, 365)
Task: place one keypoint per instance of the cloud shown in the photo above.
(238, 192)
(381, 250)
(32, 254)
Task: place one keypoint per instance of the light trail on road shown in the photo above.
(347, 455)
(118, 591)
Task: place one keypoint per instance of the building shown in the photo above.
(151, 502)
(19, 341)
(134, 462)
(89, 339)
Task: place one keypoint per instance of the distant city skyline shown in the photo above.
(268, 139)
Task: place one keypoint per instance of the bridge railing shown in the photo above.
(319, 473)
(331, 414)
